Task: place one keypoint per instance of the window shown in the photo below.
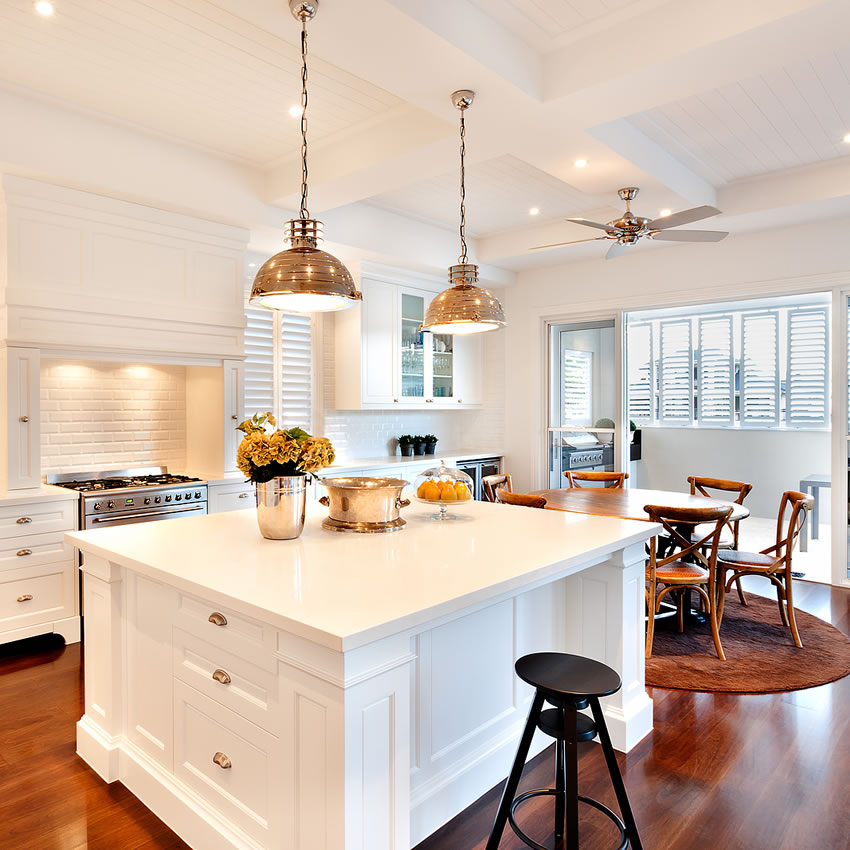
(279, 366)
(577, 399)
(762, 364)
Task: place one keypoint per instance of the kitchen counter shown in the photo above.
(45, 493)
(326, 641)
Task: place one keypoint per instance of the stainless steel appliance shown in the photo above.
(124, 496)
(477, 469)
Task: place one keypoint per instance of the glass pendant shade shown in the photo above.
(303, 278)
(465, 307)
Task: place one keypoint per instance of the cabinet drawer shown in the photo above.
(36, 595)
(241, 636)
(242, 791)
(237, 684)
(37, 518)
(34, 550)
(231, 497)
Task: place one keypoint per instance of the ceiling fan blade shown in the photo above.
(596, 224)
(616, 250)
(683, 217)
(561, 244)
(690, 235)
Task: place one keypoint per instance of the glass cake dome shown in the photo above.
(444, 487)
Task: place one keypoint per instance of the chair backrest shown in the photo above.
(690, 544)
(506, 497)
(489, 483)
(613, 480)
(703, 485)
(787, 531)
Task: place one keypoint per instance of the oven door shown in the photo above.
(109, 521)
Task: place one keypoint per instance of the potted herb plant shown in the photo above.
(419, 443)
(278, 463)
(430, 444)
(405, 443)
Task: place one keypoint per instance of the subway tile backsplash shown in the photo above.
(98, 415)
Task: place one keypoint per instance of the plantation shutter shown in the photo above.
(760, 368)
(807, 384)
(296, 372)
(716, 400)
(676, 372)
(577, 387)
(640, 369)
(259, 362)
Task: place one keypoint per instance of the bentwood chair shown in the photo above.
(774, 562)
(506, 497)
(489, 483)
(692, 566)
(612, 480)
(709, 487)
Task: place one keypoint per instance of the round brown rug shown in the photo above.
(760, 653)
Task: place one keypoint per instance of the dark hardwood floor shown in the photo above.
(718, 772)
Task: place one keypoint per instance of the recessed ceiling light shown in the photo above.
(664, 213)
(252, 265)
(44, 8)
(580, 163)
(534, 211)
(847, 139)
(295, 111)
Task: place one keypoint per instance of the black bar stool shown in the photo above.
(570, 683)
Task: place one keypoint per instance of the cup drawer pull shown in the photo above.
(21, 552)
(218, 619)
(22, 520)
(27, 597)
(222, 761)
(244, 495)
(221, 676)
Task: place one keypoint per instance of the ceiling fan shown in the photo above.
(630, 228)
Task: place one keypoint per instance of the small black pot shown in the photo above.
(420, 448)
(430, 448)
(406, 450)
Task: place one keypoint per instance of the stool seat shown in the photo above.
(551, 722)
(564, 675)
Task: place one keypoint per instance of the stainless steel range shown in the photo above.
(123, 496)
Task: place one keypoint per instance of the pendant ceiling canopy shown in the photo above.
(465, 307)
(302, 278)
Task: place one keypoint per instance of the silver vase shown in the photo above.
(280, 507)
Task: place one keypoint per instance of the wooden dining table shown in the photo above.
(629, 503)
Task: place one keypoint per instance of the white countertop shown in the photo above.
(45, 493)
(344, 590)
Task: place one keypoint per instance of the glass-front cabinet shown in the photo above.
(427, 360)
(442, 359)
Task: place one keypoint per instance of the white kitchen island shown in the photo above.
(342, 691)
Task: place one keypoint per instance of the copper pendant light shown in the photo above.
(465, 307)
(302, 278)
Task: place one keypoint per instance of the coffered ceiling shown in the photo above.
(745, 108)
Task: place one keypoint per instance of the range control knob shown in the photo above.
(178, 497)
(157, 499)
(168, 498)
(147, 500)
(197, 494)
(97, 506)
(110, 505)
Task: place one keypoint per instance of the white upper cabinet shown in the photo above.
(21, 452)
(383, 360)
(90, 272)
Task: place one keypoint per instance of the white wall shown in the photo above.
(99, 416)
(372, 433)
(810, 257)
(772, 461)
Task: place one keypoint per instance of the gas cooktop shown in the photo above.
(95, 484)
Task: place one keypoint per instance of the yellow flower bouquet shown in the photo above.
(262, 456)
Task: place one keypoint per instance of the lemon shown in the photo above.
(461, 491)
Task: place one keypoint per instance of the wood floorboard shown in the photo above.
(718, 772)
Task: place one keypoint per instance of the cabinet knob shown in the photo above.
(221, 676)
(24, 418)
(234, 417)
(218, 619)
(429, 400)
(395, 401)
(23, 520)
(21, 552)
(27, 597)
(244, 495)
(222, 761)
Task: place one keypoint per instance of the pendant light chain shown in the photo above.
(463, 250)
(304, 213)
